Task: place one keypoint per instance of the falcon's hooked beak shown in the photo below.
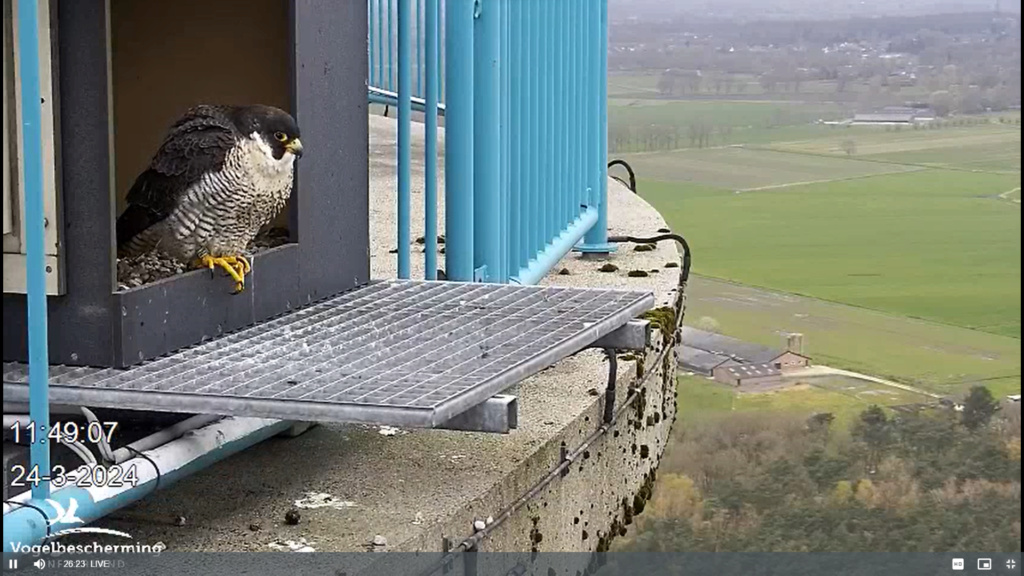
(295, 147)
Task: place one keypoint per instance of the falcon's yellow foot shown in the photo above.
(236, 267)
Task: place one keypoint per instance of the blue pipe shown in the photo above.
(486, 139)
(430, 135)
(515, 57)
(35, 236)
(404, 138)
(531, 168)
(561, 245)
(419, 48)
(596, 241)
(371, 44)
(459, 152)
(505, 95)
(25, 526)
(391, 46)
(380, 44)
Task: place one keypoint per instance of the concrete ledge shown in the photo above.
(416, 489)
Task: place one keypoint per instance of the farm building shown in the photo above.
(737, 373)
(706, 352)
(894, 115)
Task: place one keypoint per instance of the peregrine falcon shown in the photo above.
(221, 174)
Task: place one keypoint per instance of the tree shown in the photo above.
(850, 147)
(979, 408)
(874, 430)
(942, 103)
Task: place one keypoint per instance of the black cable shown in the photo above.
(609, 391)
(46, 519)
(685, 274)
(632, 174)
(136, 453)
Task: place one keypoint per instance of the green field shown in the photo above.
(991, 147)
(743, 169)
(701, 398)
(938, 357)
(931, 244)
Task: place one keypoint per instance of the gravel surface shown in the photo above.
(153, 266)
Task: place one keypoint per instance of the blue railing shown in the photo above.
(522, 86)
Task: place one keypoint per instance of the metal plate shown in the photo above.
(406, 353)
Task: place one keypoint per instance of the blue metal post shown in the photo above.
(430, 135)
(419, 48)
(391, 45)
(35, 237)
(381, 38)
(404, 134)
(515, 59)
(504, 93)
(371, 43)
(459, 153)
(596, 240)
(533, 115)
(486, 139)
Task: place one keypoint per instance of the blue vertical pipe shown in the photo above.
(404, 135)
(35, 236)
(442, 27)
(565, 95)
(391, 45)
(430, 135)
(596, 240)
(486, 138)
(381, 39)
(419, 49)
(543, 104)
(503, 94)
(371, 43)
(533, 113)
(459, 153)
(579, 89)
(519, 140)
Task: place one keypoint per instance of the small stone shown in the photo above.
(490, 520)
(644, 248)
(664, 231)
(418, 519)
(609, 267)
(292, 517)
(594, 392)
(672, 265)
(380, 541)
(180, 521)
(637, 274)
(254, 527)
(564, 272)
(479, 525)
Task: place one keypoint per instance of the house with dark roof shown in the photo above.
(718, 356)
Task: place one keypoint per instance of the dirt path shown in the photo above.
(828, 371)
(1006, 195)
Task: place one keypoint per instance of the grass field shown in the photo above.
(747, 169)
(937, 357)
(992, 148)
(701, 398)
(931, 244)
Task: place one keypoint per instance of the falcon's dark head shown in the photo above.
(276, 127)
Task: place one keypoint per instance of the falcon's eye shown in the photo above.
(281, 136)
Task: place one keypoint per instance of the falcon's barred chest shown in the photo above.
(223, 212)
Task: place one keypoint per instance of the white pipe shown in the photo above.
(177, 454)
(12, 420)
(163, 436)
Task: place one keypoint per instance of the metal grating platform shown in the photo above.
(404, 353)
